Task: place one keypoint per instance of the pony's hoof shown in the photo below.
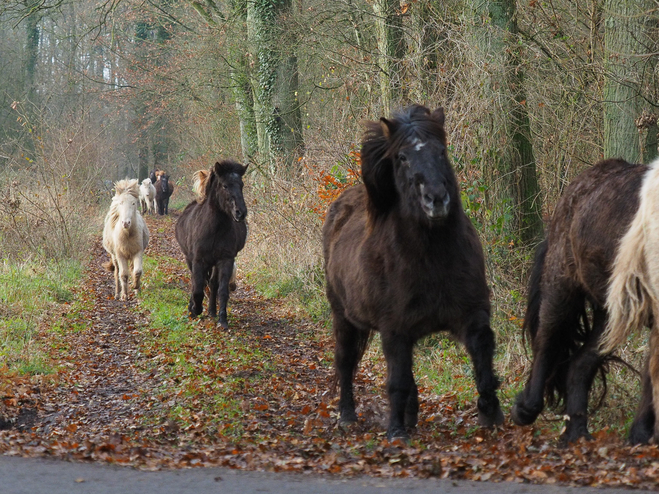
(398, 434)
(521, 416)
(573, 432)
(487, 420)
(223, 324)
(347, 418)
(411, 420)
(640, 434)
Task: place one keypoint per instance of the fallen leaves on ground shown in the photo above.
(111, 401)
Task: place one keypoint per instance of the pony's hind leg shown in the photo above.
(213, 284)
(559, 317)
(581, 373)
(479, 341)
(400, 380)
(349, 346)
(117, 285)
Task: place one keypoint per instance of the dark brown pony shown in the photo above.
(211, 231)
(571, 274)
(164, 190)
(402, 258)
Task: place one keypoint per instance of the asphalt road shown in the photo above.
(37, 476)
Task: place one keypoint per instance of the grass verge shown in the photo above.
(28, 293)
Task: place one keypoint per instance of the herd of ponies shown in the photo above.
(403, 259)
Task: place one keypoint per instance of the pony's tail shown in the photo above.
(532, 315)
(109, 266)
(630, 299)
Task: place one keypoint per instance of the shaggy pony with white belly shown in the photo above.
(125, 236)
(633, 297)
(148, 196)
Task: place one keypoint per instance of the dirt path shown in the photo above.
(103, 404)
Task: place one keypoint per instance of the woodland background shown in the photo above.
(94, 91)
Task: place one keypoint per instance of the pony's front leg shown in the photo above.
(479, 341)
(397, 351)
(642, 429)
(123, 272)
(349, 345)
(198, 283)
(115, 270)
(653, 368)
(224, 269)
(137, 272)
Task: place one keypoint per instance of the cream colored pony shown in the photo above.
(633, 297)
(148, 196)
(125, 236)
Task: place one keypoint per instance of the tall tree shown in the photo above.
(391, 46)
(626, 64)
(275, 82)
(509, 161)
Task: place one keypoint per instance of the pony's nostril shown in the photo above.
(428, 199)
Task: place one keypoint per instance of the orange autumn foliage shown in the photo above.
(329, 186)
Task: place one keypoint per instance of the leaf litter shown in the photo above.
(114, 394)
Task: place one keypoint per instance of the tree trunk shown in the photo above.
(240, 82)
(623, 43)
(391, 45)
(509, 167)
(274, 84)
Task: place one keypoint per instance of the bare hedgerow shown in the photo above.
(52, 191)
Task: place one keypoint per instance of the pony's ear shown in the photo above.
(244, 170)
(438, 116)
(388, 127)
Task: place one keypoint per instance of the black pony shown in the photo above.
(402, 258)
(571, 274)
(163, 192)
(211, 232)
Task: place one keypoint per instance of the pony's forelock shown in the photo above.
(127, 186)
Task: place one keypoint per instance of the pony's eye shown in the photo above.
(224, 186)
(402, 158)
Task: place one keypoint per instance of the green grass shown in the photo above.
(27, 292)
(304, 289)
(199, 365)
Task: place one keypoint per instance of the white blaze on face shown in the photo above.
(418, 144)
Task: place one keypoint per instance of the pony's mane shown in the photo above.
(126, 186)
(199, 181)
(631, 296)
(380, 142)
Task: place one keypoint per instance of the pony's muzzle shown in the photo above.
(238, 215)
(126, 224)
(436, 205)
